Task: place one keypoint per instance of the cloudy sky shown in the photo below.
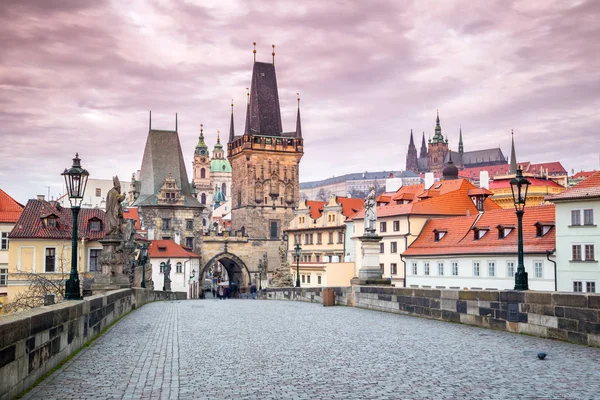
(81, 76)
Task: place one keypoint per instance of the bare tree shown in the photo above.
(40, 286)
(323, 195)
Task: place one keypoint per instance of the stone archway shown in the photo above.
(236, 269)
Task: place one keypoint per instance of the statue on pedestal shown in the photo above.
(370, 212)
(167, 276)
(114, 210)
(282, 276)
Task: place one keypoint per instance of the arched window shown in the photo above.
(162, 267)
(203, 198)
(179, 268)
(224, 189)
(202, 173)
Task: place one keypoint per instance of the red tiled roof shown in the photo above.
(583, 174)
(460, 238)
(540, 182)
(168, 249)
(552, 167)
(350, 206)
(10, 209)
(408, 192)
(30, 225)
(450, 198)
(384, 198)
(132, 213)
(587, 188)
(316, 208)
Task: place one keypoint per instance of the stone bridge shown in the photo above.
(259, 349)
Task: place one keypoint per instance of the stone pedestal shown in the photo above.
(111, 260)
(370, 273)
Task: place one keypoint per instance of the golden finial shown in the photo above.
(201, 129)
(218, 136)
(232, 106)
(254, 51)
(248, 95)
(273, 53)
(298, 95)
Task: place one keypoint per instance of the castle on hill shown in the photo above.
(435, 154)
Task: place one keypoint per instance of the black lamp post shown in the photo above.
(298, 249)
(75, 180)
(519, 186)
(144, 259)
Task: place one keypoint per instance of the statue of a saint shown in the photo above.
(370, 212)
(167, 276)
(283, 252)
(114, 210)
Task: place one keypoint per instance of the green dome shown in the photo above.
(217, 165)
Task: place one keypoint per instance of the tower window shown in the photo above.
(202, 173)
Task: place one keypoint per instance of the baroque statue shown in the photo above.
(370, 212)
(114, 210)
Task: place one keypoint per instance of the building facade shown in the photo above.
(185, 265)
(10, 211)
(480, 251)
(578, 236)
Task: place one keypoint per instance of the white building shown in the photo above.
(95, 193)
(184, 265)
(480, 251)
(578, 235)
(10, 211)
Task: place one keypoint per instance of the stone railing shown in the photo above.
(573, 317)
(33, 342)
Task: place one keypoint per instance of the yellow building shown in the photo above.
(540, 188)
(10, 211)
(319, 228)
(39, 254)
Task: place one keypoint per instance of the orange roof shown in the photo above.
(10, 209)
(446, 198)
(409, 192)
(132, 213)
(350, 206)
(168, 249)
(586, 189)
(551, 167)
(583, 174)
(538, 182)
(316, 208)
(460, 238)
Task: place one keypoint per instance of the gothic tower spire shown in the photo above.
(298, 126)
(412, 163)
(513, 156)
(460, 142)
(231, 129)
(423, 148)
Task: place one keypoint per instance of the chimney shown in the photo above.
(484, 180)
(428, 180)
(40, 197)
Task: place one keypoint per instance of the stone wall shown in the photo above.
(35, 341)
(573, 317)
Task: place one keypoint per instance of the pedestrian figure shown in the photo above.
(220, 292)
(253, 292)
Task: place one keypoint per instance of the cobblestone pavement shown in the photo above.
(245, 349)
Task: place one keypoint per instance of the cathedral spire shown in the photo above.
(412, 141)
(460, 142)
(412, 162)
(231, 128)
(513, 156)
(438, 137)
(298, 126)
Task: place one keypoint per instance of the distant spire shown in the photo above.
(150, 122)
(176, 122)
(273, 53)
(460, 142)
(513, 156)
(254, 51)
(438, 137)
(218, 136)
(298, 126)
(423, 148)
(231, 129)
(412, 142)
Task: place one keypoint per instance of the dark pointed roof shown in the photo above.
(423, 148)
(264, 116)
(460, 142)
(437, 137)
(411, 144)
(163, 156)
(513, 155)
(231, 128)
(298, 126)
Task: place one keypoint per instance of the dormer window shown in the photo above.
(95, 225)
(504, 230)
(438, 234)
(541, 228)
(51, 222)
(478, 233)
(162, 249)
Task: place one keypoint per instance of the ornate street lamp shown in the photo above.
(75, 180)
(144, 259)
(519, 186)
(298, 249)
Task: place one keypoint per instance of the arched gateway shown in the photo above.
(236, 268)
